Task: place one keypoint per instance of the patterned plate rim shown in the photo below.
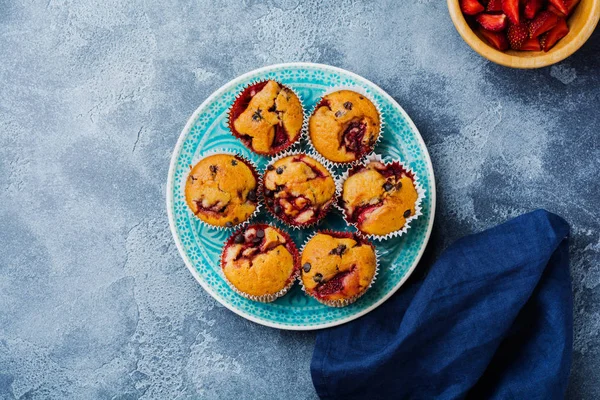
(170, 182)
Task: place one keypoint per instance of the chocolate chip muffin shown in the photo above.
(379, 198)
(298, 189)
(344, 126)
(222, 190)
(337, 267)
(267, 117)
(260, 262)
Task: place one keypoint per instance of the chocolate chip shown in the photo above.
(257, 240)
(268, 193)
(214, 169)
(229, 224)
(279, 188)
(193, 178)
(279, 170)
(339, 113)
(252, 195)
(260, 233)
(306, 267)
(348, 105)
(318, 277)
(398, 185)
(234, 162)
(360, 97)
(406, 213)
(341, 249)
(387, 186)
(257, 115)
(239, 239)
(270, 168)
(277, 209)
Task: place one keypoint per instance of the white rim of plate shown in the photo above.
(189, 124)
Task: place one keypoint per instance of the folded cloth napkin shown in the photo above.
(492, 319)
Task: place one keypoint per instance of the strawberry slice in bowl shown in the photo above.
(517, 35)
(511, 9)
(495, 39)
(471, 7)
(544, 21)
(492, 22)
(549, 39)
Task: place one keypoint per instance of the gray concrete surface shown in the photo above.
(95, 301)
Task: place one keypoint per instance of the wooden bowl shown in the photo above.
(581, 24)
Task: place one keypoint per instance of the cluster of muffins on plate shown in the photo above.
(260, 261)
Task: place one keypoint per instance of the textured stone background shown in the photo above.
(95, 301)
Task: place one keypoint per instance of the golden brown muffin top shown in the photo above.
(345, 126)
(335, 268)
(272, 119)
(379, 198)
(260, 260)
(298, 189)
(221, 190)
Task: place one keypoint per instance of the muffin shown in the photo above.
(222, 190)
(260, 262)
(344, 126)
(337, 267)
(298, 189)
(267, 117)
(379, 198)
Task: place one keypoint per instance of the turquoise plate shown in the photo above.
(200, 246)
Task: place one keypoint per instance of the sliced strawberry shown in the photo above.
(517, 35)
(471, 7)
(511, 9)
(544, 21)
(531, 45)
(494, 5)
(560, 5)
(495, 39)
(492, 22)
(532, 7)
(555, 11)
(549, 39)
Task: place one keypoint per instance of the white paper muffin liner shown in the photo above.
(341, 302)
(295, 144)
(418, 209)
(267, 298)
(259, 190)
(328, 208)
(360, 90)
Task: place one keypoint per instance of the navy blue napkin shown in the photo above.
(492, 319)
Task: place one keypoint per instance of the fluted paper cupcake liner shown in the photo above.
(324, 210)
(267, 298)
(354, 88)
(292, 145)
(420, 196)
(255, 172)
(341, 302)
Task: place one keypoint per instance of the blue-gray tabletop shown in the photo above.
(95, 301)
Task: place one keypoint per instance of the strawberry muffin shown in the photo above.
(337, 267)
(267, 117)
(378, 198)
(260, 262)
(344, 126)
(222, 190)
(298, 190)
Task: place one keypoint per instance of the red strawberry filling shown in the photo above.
(334, 285)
